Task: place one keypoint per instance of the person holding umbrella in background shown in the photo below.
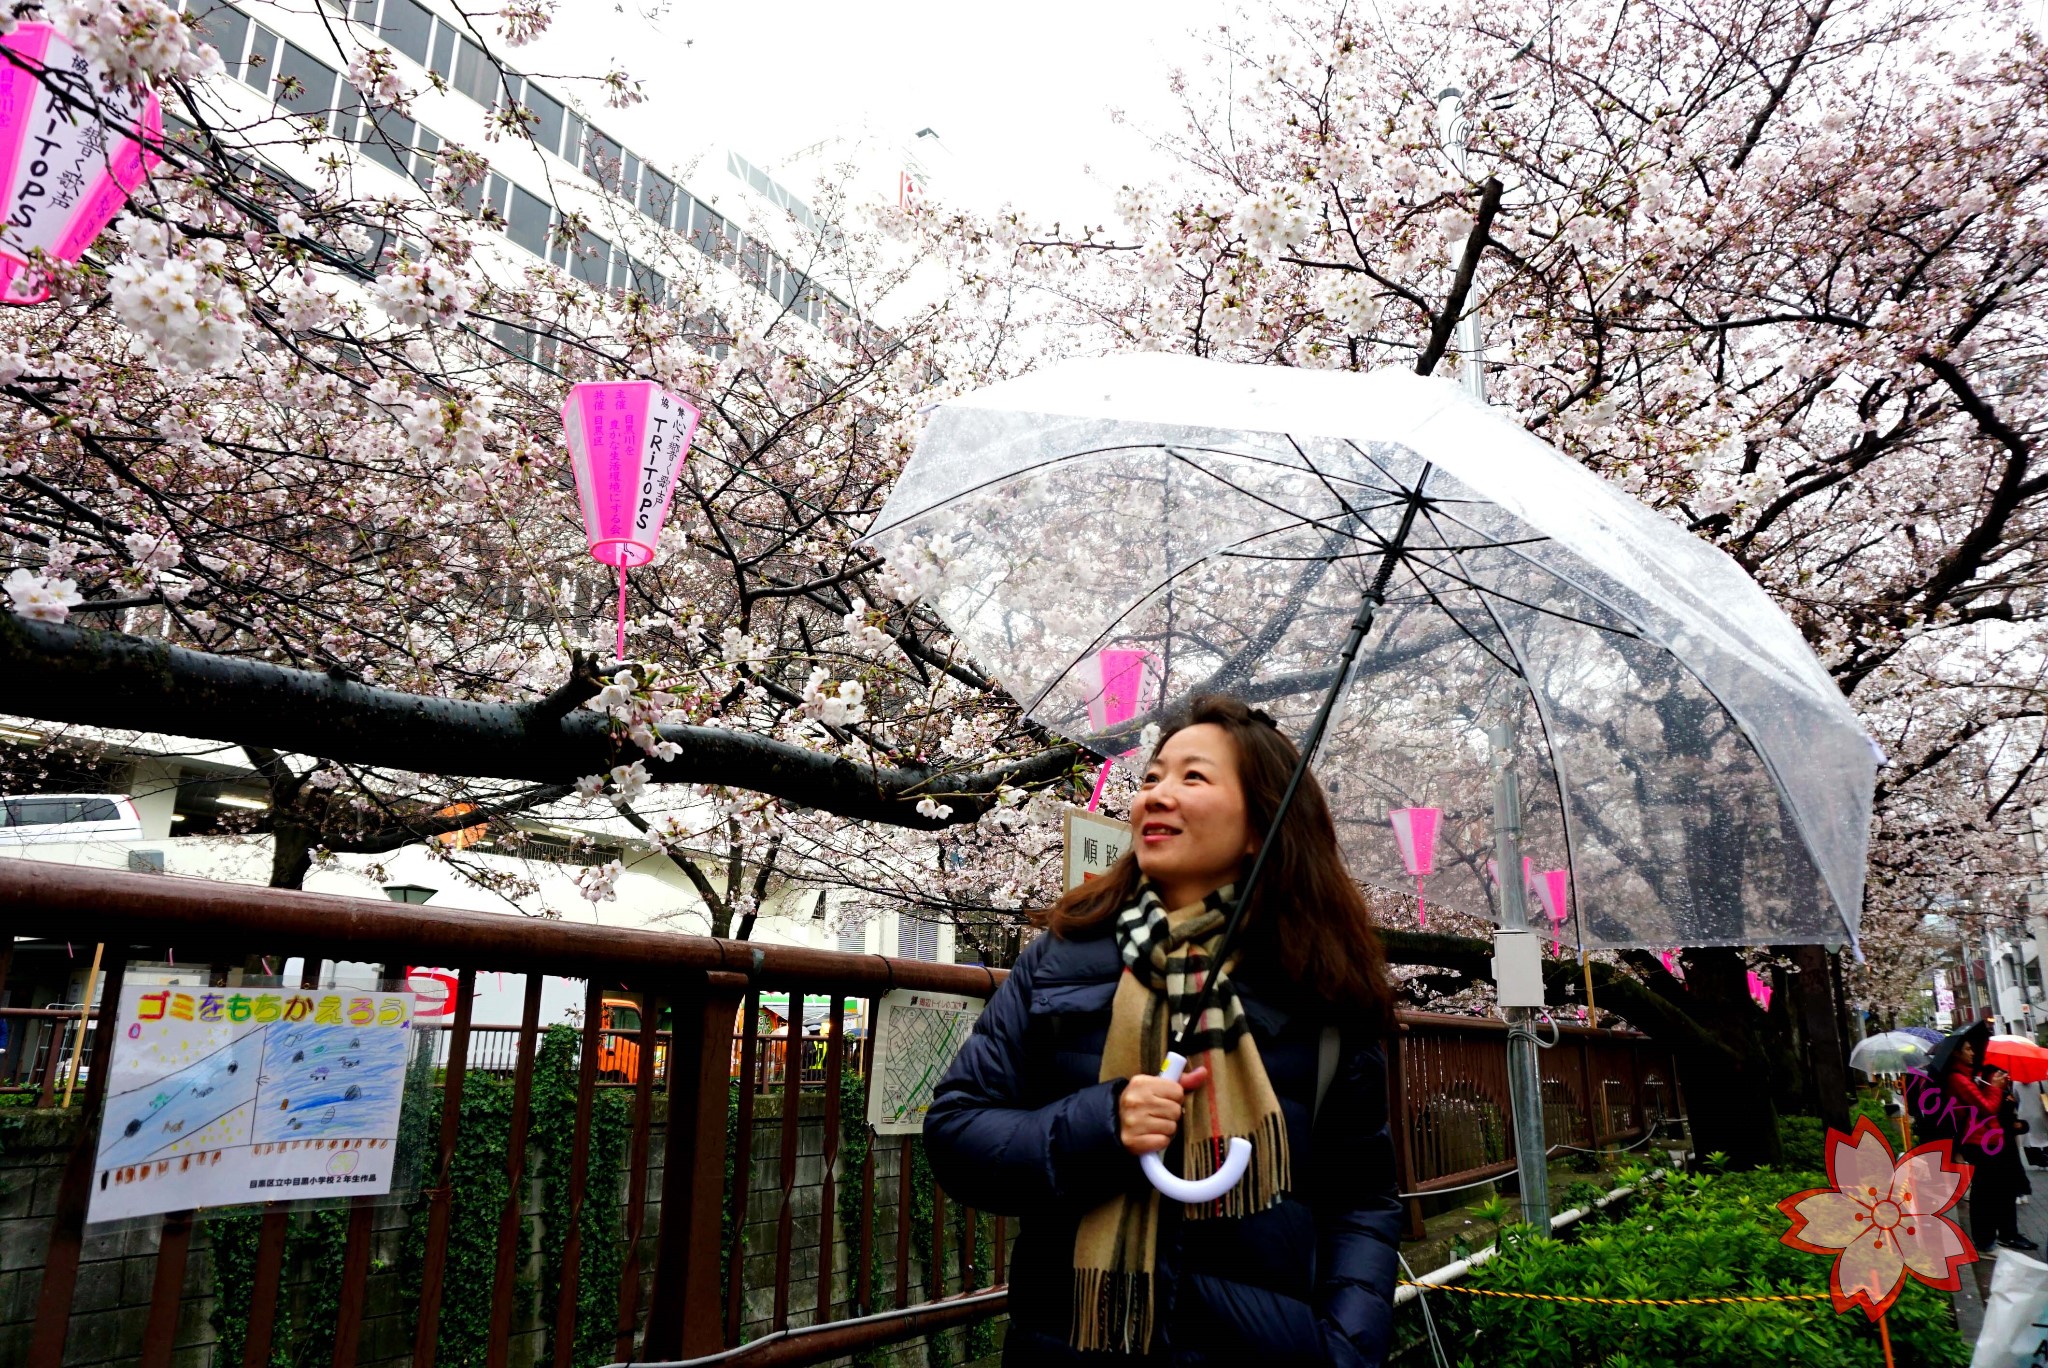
(1957, 1064)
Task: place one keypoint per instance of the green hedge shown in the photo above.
(1707, 1235)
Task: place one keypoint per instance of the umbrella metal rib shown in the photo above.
(1361, 624)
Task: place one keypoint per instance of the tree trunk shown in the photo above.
(1813, 1004)
(291, 859)
(1731, 1101)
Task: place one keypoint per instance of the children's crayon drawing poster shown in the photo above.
(220, 1096)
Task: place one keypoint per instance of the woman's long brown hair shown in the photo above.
(1307, 915)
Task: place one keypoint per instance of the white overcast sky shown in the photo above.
(1021, 96)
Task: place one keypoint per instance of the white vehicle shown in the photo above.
(49, 818)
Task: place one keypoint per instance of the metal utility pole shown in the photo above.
(1453, 128)
(1518, 979)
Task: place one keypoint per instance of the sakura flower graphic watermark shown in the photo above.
(1883, 1218)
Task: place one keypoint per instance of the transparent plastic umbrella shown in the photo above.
(1685, 757)
(1888, 1054)
(1399, 574)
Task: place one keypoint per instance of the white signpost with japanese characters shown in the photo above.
(220, 1096)
(1093, 842)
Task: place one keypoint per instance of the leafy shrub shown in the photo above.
(1705, 1235)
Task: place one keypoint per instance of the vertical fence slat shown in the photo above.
(828, 1195)
(936, 1274)
(864, 1272)
(270, 1237)
(636, 1191)
(67, 1228)
(440, 1199)
(792, 1113)
(504, 1277)
(683, 1319)
(355, 1273)
(742, 1163)
(579, 1175)
(903, 1196)
(970, 1221)
(160, 1335)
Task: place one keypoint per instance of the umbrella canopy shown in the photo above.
(1926, 1033)
(2026, 1061)
(1891, 1052)
(1684, 755)
(1938, 1058)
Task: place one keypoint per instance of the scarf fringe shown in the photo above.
(1112, 1311)
(1269, 1178)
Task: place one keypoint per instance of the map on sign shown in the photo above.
(917, 1033)
(1093, 843)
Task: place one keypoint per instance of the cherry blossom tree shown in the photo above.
(299, 444)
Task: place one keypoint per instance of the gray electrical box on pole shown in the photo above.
(1518, 977)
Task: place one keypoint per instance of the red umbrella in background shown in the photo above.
(2018, 1056)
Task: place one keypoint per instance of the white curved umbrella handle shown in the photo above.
(1196, 1191)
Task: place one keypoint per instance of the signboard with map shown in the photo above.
(917, 1033)
(218, 1096)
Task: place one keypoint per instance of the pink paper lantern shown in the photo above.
(1552, 888)
(63, 174)
(1415, 834)
(1669, 959)
(1759, 990)
(627, 443)
(1120, 685)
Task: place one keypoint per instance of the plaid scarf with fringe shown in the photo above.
(1166, 956)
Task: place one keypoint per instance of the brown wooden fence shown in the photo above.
(1449, 1087)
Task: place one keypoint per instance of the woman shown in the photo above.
(1049, 1105)
(1980, 1099)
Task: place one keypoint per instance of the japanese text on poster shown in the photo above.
(224, 1095)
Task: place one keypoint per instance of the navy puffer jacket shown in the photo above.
(1021, 1125)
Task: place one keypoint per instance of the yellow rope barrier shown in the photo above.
(1610, 1301)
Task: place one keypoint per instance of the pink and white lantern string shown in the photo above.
(627, 443)
(1120, 686)
(1415, 834)
(63, 174)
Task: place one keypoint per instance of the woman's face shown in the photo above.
(1967, 1052)
(1188, 822)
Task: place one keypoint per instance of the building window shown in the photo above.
(603, 159)
(387, 140)
(426, 150)
(853, 940)
(262, 63)
(443, 63)
(548, 116)
(227, 28)
(527, 219)
(917, 940)
(591, 262)
(476, 75)
(408, 27)
(649, 283)
(305, 85)
(657, 195)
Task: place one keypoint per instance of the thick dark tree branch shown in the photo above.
(1446, 320)
(61, 673)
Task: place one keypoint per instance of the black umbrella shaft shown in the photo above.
(1361, 624)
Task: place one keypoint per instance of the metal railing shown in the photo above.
(685, 1271)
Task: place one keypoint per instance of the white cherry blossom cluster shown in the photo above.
(842, 705)
(136, 42)
(39, 598)
(424, 290)
(175, 294)
(599, 883)
(374, 73)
